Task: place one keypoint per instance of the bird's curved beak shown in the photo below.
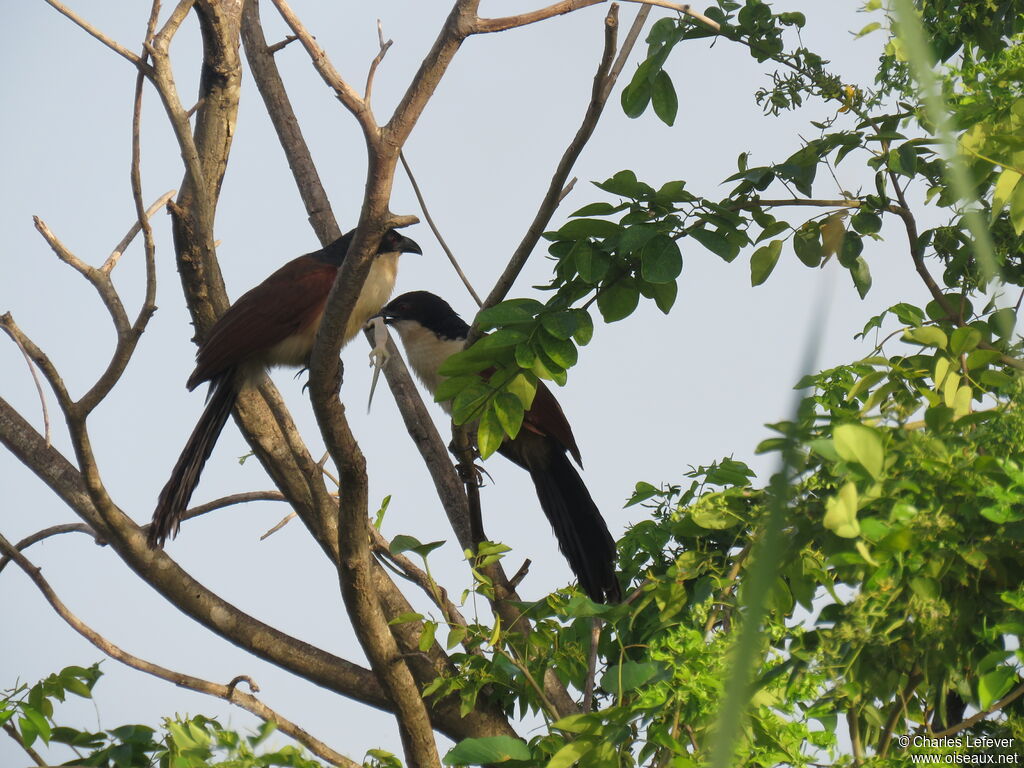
(408, 245)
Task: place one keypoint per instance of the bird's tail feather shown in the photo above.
(185, 476)
(582, 534)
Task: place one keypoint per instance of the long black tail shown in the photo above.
(185, 476)
(582, 534)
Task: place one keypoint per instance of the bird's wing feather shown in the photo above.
(280, 306)
(545, 417)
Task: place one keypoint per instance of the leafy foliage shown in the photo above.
(183, 742)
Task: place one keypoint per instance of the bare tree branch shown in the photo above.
(113, 45)
(286, 124)
(46, 533)
(1009, 698)
(599, 96)
(436, 231)
(227, 692)
(35, 380)
(521, 20)
(11, 731)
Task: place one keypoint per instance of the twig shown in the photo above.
(284, 521)
(627, 48)
(381, 53)
(40, 358)
(13, 733)
(120, 248)
(588, 685)
(1009, 698)
(436, 231)
(227, 692)
(519, 575)
(413, 573)
(39, 385)
(286, 123)
(485, 26)
(55, 530)
(684, 8)
(603, 81)
(113, 45)
(280, 45)
(345, 93)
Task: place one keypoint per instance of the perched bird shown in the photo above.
(274, 324)
(431, 332)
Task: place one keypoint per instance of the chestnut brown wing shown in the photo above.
(545, 417)
(284, 304)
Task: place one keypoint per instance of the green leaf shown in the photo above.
(571, 753)
(403, 543)
(577, 229)
(595, 209)
(807, 244)
(926, 336)
(763, 261)
(618, 300)
(526, 355)
(469, 402)
(665, 295)
(663, 98)
(509, 410)
(487, 750)
(841, 512)
(850, 249)
(636, 96)
(861, 275)
(561, 325)
(630, 675)
(1017, 209)
(660, 260)
(450, 387)
(524, 386)
(592, 263)
(427, 635)
(508, 313)
(964, 340)
(489, 434)
(862, 445)
(994, 685)
(1003, 191)
(715, 243)
(866, 222)
(584, 327)
(561, 351)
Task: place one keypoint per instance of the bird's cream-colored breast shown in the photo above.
(376, 291)
(425, 353)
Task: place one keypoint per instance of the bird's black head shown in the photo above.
(391, 242)
(427, 309)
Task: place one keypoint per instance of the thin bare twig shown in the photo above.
(120, 248)
(627, 48)
(603, 83)
(684, 8)
(436, 231)
(281, 44)
(1009, 698)
(46, 533)
(484, 26)
(39, 385)
(227, 692)
(286, 123)
(112, 44)
(381, 53)
(413, 573)
(36, 757)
